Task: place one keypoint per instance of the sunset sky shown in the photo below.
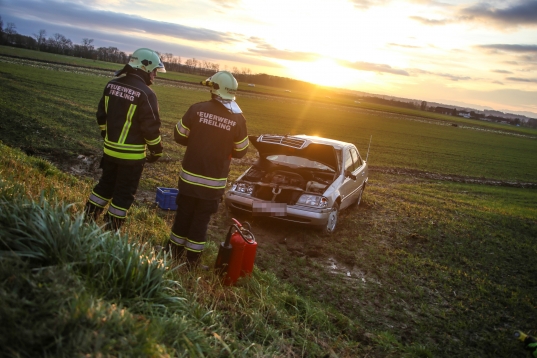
(468, 53)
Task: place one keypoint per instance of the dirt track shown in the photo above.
(453, 178)
(88, 166)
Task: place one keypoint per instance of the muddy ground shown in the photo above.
(275, 235)
(88, 166)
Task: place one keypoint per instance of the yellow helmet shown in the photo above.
(146, 60)
(222, 84)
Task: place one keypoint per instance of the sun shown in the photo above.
(324, 72)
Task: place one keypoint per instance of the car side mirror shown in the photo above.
(349, 174)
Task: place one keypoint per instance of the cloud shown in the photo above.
(503, 71)
(430, 22)
(264, 49)
(373, 67)
(453, 77)
(511, 48)
(79, 16)
(366, 4)
(519, 14)
(522, 13)
(449, 76)
(24, 13)
(403, 46)
(228, 4)
(430, 3)
(518, 79)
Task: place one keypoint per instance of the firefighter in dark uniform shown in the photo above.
(128, 116)
(213, 132)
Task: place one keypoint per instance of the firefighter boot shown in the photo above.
(112, 223)
(193, 260)
(92, 212)
(176, 250)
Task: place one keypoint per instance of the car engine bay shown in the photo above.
(285, 186)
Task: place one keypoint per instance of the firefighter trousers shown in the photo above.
(189, 229)
(117, 186)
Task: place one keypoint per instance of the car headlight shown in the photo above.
(243, 188)
(313, 200)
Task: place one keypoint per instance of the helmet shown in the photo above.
(222, 84)
(146, 60)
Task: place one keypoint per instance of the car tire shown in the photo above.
(330, 226)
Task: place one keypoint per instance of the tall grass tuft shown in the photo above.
(44, 234)
(70, 288)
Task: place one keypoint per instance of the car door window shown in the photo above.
(356, 159)
(349, 164)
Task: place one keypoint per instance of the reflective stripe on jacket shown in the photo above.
(129, 113)
(213, 135)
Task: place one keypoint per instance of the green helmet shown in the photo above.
(222, 84)
(146, 60)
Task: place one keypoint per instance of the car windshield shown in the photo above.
(297, 162)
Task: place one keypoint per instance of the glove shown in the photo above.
(152, 157)
(103, 133)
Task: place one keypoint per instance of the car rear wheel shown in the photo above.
(330, 226)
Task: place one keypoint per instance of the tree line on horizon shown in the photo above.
(453, 111)
(59, 44)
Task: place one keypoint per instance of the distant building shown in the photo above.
(443, 110)
(464, 114)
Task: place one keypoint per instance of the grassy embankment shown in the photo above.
(436, 268)
(70, 289)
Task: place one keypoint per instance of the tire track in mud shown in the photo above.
(451, 177)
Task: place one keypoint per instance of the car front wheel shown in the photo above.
(330, 226)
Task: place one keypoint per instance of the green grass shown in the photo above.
(441, 265)
(435, 268)
(320, 94)
(46, 56)
(50, 110)
(68, 288)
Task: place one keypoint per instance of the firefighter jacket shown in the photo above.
(129, 113)
(213, 135)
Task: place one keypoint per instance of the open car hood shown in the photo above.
(268, 145)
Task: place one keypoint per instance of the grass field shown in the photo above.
(398, 140)
(422, 268)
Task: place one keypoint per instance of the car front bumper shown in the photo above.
(295, 213)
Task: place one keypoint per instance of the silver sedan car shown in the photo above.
(300, 178)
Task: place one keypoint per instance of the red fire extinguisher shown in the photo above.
(236, 256)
